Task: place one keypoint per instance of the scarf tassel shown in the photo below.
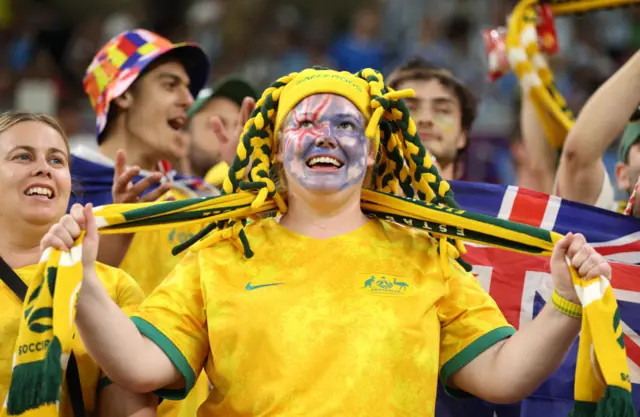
(617, 402)
(25, 394)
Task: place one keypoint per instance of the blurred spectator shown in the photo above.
(71, 118)
(84, 41)
(22, 46)
(360, 48)
(203, 18)
(453, 48)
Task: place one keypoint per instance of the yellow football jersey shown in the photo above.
(357, 324)
(122, 289)
(149, 261)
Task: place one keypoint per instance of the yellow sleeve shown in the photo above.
(173, 317)
(470, 322)
(129, 294)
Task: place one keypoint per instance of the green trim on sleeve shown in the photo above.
(468, 354)
(174, 354)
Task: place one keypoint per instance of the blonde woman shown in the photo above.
(35, 184)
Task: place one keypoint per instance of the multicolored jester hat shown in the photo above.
(406, 189)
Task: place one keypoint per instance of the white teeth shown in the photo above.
(324, 160)
(39, 191)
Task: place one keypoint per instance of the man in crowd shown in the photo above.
(140, 86)
(215, 123)
(443, 108)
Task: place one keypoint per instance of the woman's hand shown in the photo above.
(64, 234)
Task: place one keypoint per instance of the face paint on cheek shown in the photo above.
(444, 122)
(304, 123)
(303, 128)
(295, 167)
(350, 141)
(356, 149)
(294, 160)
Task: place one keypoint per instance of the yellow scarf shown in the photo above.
(602, 369)
(51, 299)
(45, 335)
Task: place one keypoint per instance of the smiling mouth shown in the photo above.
(40, 192)
(324, 162)
(177, 123)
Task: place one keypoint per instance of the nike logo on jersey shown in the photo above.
(250, 287)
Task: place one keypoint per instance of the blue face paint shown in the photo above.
(324, 145)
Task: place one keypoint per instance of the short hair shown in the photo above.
(418, 68)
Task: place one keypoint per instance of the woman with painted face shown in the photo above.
(35, 184)
(327, 311)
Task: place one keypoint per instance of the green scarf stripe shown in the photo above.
(454, 232)
(52, 274)
(162, 209)
(193, 239)
(395, 156)
(40, 313)
(255, 185)
(482, 218)
(176, 217)
(238, 164)
(522, 228)
(36, 292)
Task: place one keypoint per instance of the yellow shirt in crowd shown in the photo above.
(149, 261)
(121, 288)
(355, 325)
